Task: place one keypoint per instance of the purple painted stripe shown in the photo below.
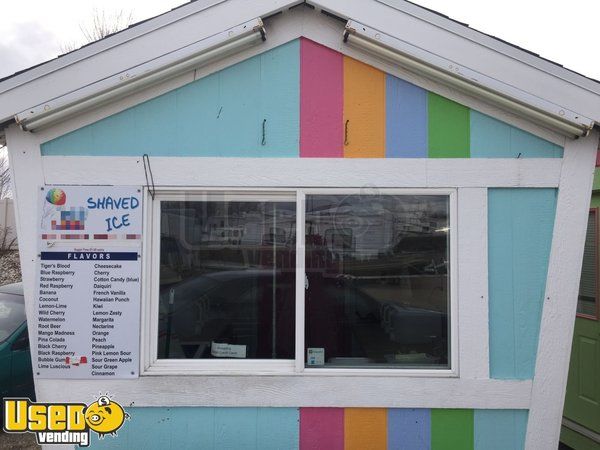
(321, 101)
(409, 429)
(321, 428)
(406, 119)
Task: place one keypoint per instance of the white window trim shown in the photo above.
(151, 365)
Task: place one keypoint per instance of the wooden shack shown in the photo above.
(337, 224)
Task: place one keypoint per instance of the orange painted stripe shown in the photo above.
(364, 110)
(365, 429)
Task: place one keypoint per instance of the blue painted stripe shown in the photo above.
(520, 225)
(409, 429)
(500, 429)
(219, 115)
(406, 119)
(491, 138)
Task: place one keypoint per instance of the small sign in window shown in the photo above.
(227, 350)
(315, 357)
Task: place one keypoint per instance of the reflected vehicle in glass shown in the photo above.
(377, 275)
(227, 282)
(376, 280)
(16, 375)
(228, 307)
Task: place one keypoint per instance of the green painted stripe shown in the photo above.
(452, 429)
(449, 128)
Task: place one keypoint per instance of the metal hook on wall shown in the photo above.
(264, 132)
(346, 132)
(148, 170)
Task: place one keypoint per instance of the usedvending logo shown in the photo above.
(63, 423)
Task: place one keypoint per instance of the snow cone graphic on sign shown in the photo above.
(58, 214)
(55, 200)
(56, 197)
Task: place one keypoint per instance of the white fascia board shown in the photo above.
(496, 44)
(130, 48)
(107, 43)
(468, 48)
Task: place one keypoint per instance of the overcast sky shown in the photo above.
(563, 31)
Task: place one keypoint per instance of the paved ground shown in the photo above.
(21, 441)
(10, 270)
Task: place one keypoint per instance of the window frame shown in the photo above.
(596, 316)
(151, 365)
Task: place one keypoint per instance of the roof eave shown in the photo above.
(575, 93)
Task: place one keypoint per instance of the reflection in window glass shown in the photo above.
(377, 281)
(12, 314)
(227, 279)
(586, 304)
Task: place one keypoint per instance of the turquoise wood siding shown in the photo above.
(219, 115)
(500, 429)
(253, 109)
(206, 428)
(158, 428)
(317, 428)
(491, 138)
(520, 228)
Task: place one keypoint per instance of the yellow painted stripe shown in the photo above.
(364, 110)
(365, 429)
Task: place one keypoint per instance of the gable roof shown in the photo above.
(133, 25)
(430, 32)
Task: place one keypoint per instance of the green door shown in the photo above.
(582, 404)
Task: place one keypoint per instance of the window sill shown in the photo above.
(176, 367)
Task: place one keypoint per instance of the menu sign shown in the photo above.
(88, 284)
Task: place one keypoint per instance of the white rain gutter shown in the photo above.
(140, 77)
(436, 68)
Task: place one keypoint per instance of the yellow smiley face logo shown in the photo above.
(105, 416)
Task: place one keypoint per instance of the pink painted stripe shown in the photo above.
(321, 101)
(321, 428)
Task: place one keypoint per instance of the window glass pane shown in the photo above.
(588, 289)
(12, 314)
(377, 281)
(227, 279)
